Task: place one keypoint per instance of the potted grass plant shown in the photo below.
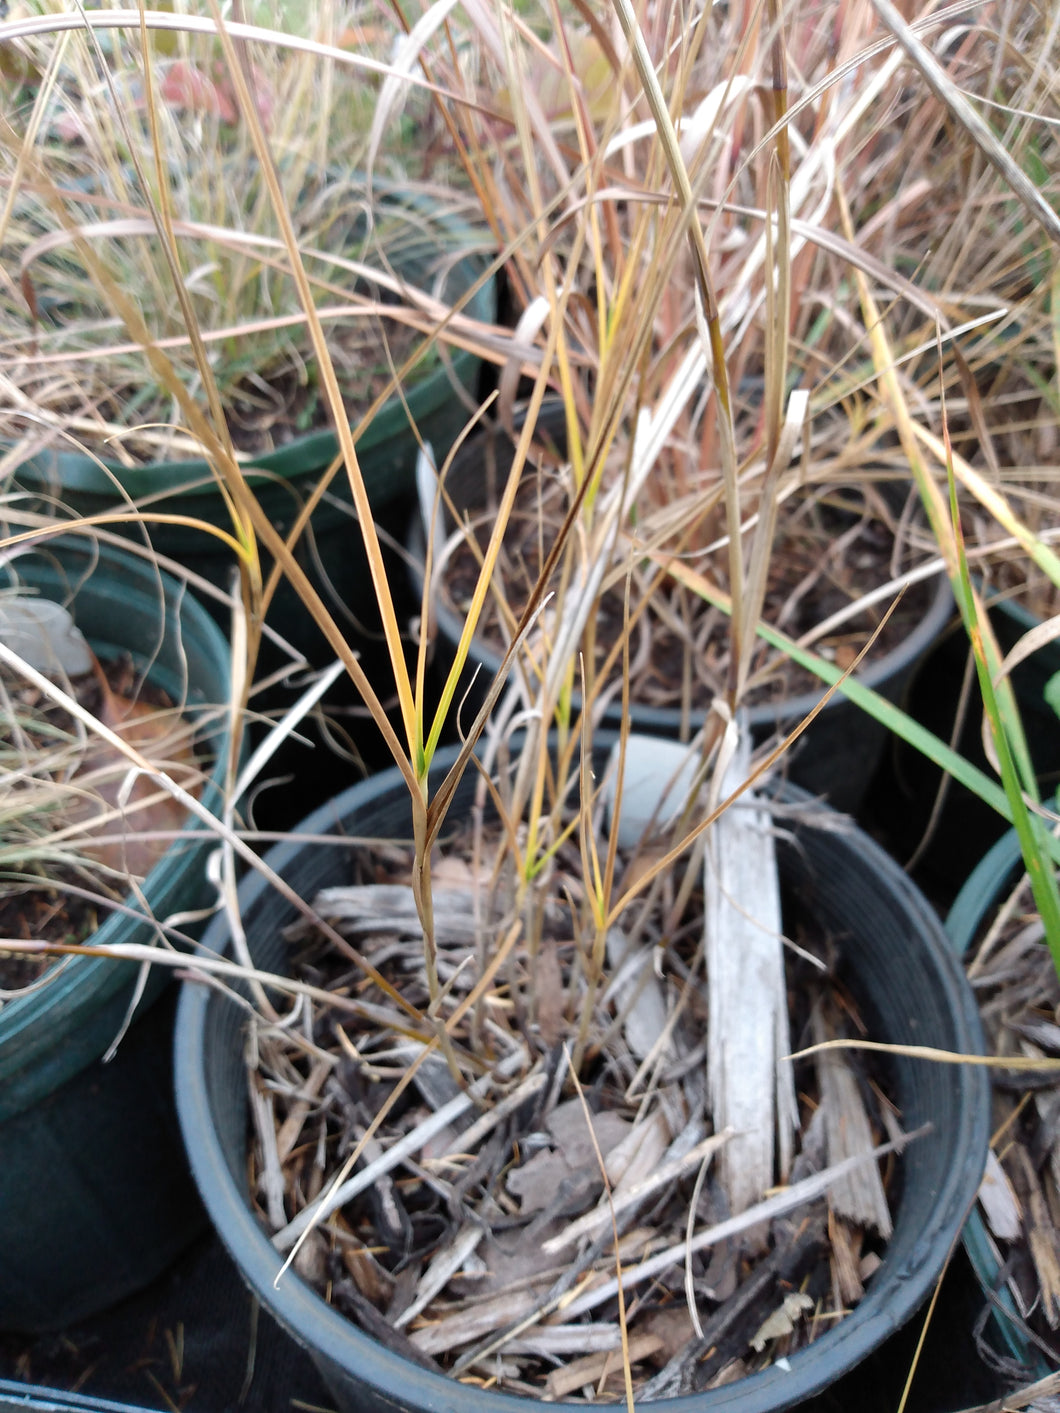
(95, 1199)
(814, 478)
(1010, 1238)
(533, 966)
(847, 486)
(516, 1312)
(543, 995)
(128, 159)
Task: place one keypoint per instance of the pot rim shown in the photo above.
(983, 889)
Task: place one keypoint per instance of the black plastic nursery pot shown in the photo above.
(906, 791)
(895, 958)
(14, 1399)
(446, 258)
(835, 756)
(95, 1198)
(985, 889)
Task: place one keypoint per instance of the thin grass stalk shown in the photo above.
(910, 433)
(596, 899)
(627, 1371)
(679, 175)
(778, 317)
(377, 569)
(40, 108)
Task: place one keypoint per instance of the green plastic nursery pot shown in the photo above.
(985, 889)
(95, 1199)
(835, 756)
(448, 263)
(894, 957)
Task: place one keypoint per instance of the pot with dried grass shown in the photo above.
(893, 961)
(95, 1199)
(137, 176)
(996, 930)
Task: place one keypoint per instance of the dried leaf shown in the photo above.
(782, 1321)
(672, 1326)
(999, 1202)
(570, 1132)
(636, 1156)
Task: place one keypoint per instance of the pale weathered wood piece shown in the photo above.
(750, 1081)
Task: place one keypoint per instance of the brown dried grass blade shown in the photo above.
(947, 92)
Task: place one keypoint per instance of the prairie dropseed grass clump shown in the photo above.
(718, 226)
(129, 165)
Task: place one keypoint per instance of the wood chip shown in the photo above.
(846, 1261)
(597, 1221)
(467, 1141)
(751, 1086)
(787, 1200)
(412, 1143)
(390, 908)
(1044, 1394)
(1000, 1205)
(444, 1265)
(637, 996)
(1042, 1238)
(372, 1279)
(291, 1129)
(270, 1179)
(638, 1154)
(475, 1322)
(860, 1197)
(560, 1340)
(596, 1367)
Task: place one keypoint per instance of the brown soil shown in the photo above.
(370, 1258)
